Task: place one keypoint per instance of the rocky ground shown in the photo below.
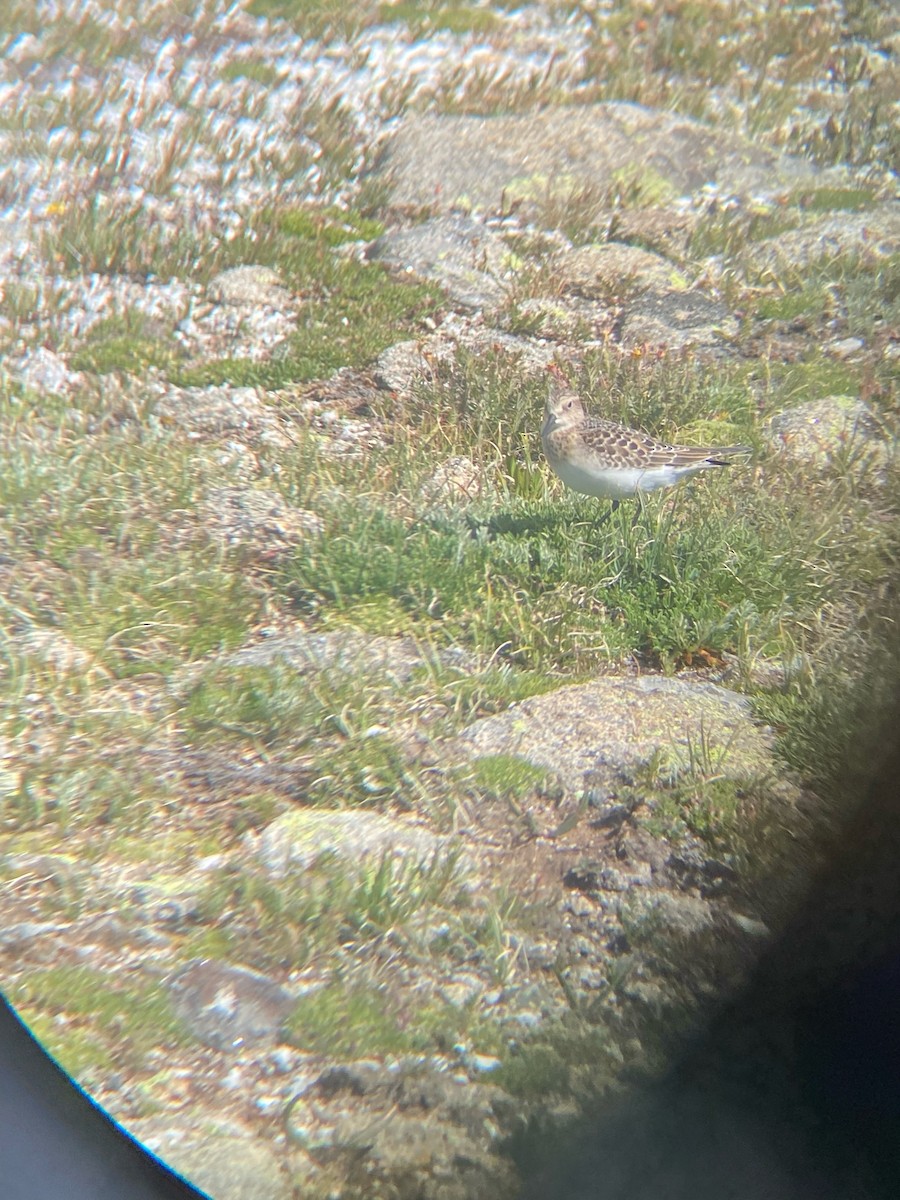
(370, 812)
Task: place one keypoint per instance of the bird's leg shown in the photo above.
(612, 508)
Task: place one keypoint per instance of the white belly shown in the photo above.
(621, 482)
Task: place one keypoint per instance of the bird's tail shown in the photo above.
(720, 456)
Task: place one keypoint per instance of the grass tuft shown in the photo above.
(126, 1023)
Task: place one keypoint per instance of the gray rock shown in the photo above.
(678, 319)
(661, 914)
(41, 370)
(692, 864)
(255, 330)
(462, 989)
(469, 261)
(562, 318)
(24, 933)
(212, 410)
(435, 1132)
(667, 229)
(347, 437)
(455, 481)
(343, 650)
(227, 1008)
(251, 285)
(616, 269)
(259, 517)
(847, 347)
(299, 838)
(578, 903)
(751, 926)
(606, 729)
(226, 1166)
(875, 234)
(814, 432)
(481, 1064)
(404, 366)
(60, 869)
(448, 161)
(626, 880)
(58, 652)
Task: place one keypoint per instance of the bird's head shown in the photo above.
(563, 407)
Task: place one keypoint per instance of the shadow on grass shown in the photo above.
(514, 525)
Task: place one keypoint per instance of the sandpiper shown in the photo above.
(604, 459)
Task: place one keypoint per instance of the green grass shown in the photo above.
(130, 343)
(734, 235)
(271, 706)
(538, 580)
(829, 716)
(122, 752)
(20, 303)
(367, 767)
(355, 311)
(525, 577)
(319, 18)
(506, 775)
(349, 1020)
(544, 585)
(137, 615)
(739, 814)
(338, 723)
(872, 296)
(312, 910)
(848, 296)
(422, 16)
(67, 791)
(346, 1022)
(480, 693)
(586, 213)
(254, 69)
(554, 1064)
(351, 311)
(119, 241)
(328, 226)
(766, 61)
(809, 379)
(115, 1025)
(811, 302)
(836, 199)
(329, 19)
(83, 519)
(730, 232)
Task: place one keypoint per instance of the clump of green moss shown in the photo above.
(329, 226)
(130, 343)
(123, 1023)
(351, 310)
(507, 775)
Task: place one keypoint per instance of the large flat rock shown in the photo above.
(441, 162)
(592, 733)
